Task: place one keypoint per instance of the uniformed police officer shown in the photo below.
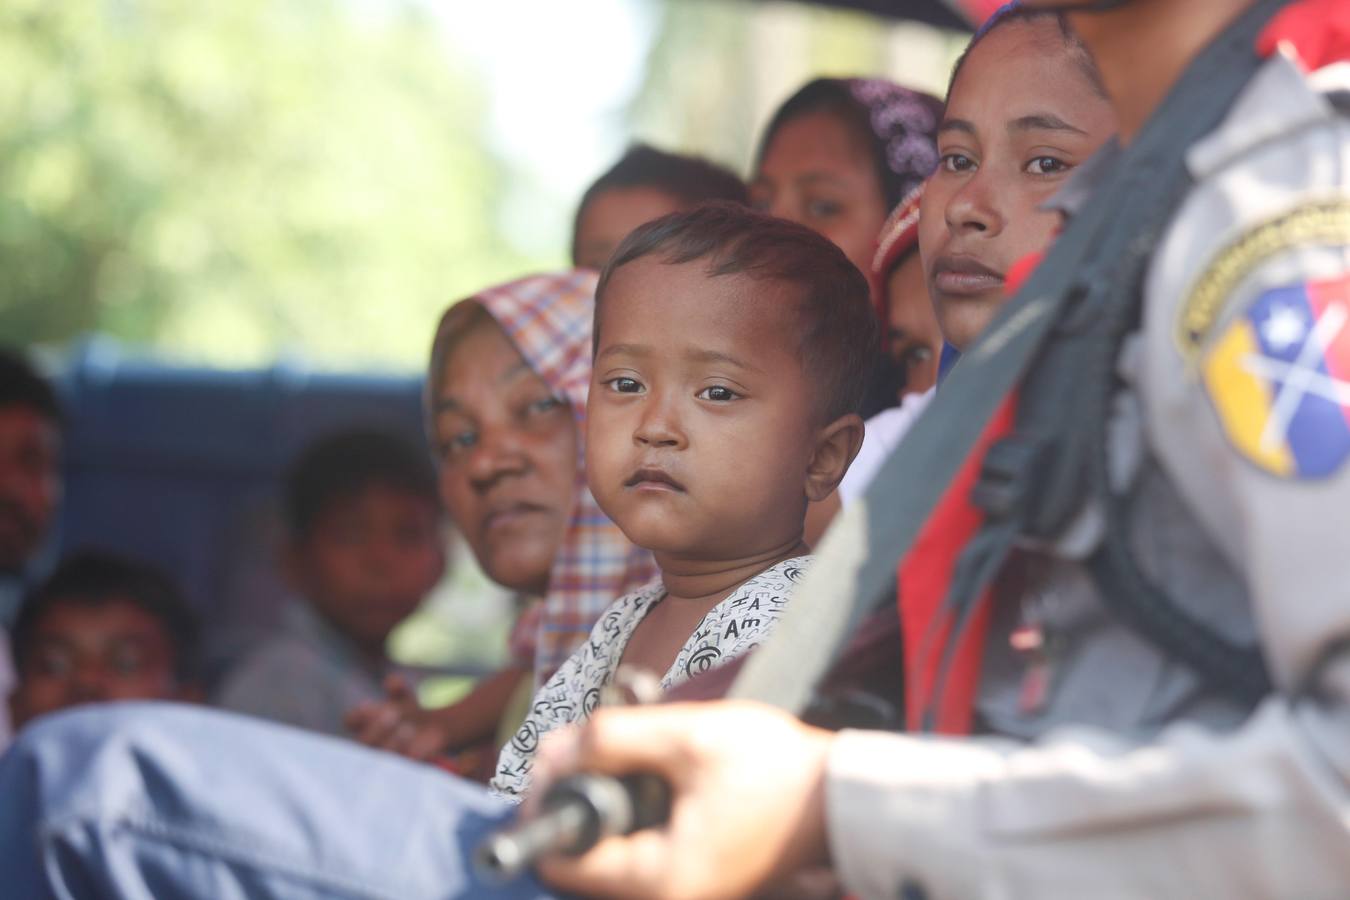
(1139, 774)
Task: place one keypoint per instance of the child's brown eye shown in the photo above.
(957, 162)
(625, 385)
(1046, 165)
(718, 394)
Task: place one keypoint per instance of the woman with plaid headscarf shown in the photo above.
(506, 406)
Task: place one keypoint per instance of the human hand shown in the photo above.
(398, 723)
(748, 806)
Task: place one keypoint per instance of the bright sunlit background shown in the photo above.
(233, 183)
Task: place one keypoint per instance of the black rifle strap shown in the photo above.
(856, 562)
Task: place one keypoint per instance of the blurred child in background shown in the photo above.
(30, 489)
(103, 628)
(644, 184)
(366, 546)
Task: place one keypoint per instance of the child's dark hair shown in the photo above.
(21, 385)
(1013, 13)
(92, 578)
(897, 125)
(689, 179)
(840, 337)
(344, 464)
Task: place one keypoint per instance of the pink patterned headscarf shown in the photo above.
(548, 318)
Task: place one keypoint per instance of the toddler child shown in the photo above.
(366, 546)
(731, 353)
(102, 628)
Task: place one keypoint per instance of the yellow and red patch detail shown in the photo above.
(1279, 378)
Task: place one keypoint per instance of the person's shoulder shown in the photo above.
(785, 574)
(635, 600)
(611, 624)
(1270, 204)
(1247, 299)
(1283, 101)
(278, 663)
(769, 590)
(891, 424)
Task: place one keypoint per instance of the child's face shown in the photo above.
(701, 420)
(507, 447)
(913, 338)
(83, 653)
(1020, 116)
(611, 215)
(369, 561)
(818, 173)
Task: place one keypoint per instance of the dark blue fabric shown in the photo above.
(176, 802)
(950, 357)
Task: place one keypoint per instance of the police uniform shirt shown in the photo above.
(1140, 784)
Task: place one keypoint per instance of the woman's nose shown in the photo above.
(974, 208)
(499, 451)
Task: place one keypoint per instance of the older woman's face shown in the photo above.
(507, 447)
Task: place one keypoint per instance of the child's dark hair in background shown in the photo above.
(342, 465)
(21, 385)
(103, 627)
(366, 546)
(644, 184)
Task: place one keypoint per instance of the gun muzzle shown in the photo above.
(576, 814)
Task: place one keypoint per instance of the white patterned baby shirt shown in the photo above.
(736, 624)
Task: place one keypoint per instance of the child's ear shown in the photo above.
(836, 445)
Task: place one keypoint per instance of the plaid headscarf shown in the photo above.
(548, 318)
(899, 236)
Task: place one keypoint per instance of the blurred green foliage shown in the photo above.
(224, 181)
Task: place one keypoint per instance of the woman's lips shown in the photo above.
(507, 516)
(957, 276)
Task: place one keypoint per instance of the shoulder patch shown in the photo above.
(1279, 378)
(1326, 223)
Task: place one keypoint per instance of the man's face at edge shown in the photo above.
(30, 483)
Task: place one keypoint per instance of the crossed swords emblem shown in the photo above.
(1300, 378)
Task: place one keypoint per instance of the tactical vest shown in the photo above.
(1026, 414)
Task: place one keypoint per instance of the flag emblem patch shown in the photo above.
(1279, 378)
